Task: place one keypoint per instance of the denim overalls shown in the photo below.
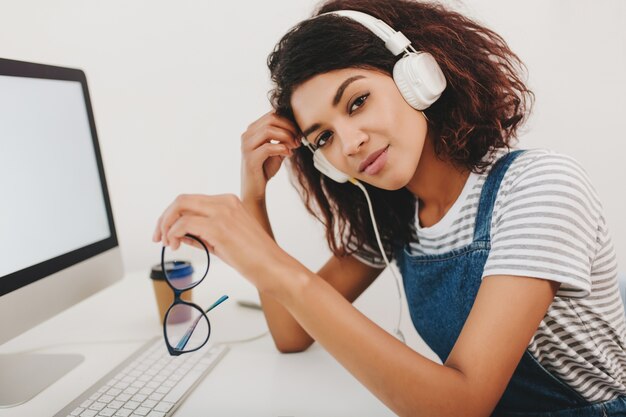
(441, 290)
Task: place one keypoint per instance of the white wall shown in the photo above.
(174, 84)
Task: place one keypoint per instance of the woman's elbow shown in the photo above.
(291, 347)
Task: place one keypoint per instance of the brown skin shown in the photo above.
(355, 128)
(302, 306)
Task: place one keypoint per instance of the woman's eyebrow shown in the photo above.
(336, 101)
(343, 87)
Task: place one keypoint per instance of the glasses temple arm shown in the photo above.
(183, 340)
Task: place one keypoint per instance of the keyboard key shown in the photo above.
(142, 411)
(152, 384)
(123, 397)
(162, 390)
(114, 392)
(97, 406)
(164, 406)
(121, 385)
(168, 384)
(149, 403)
(149, 384)
(106, 398)
(156, 396)
(131, 405)
(116, 404)
(179, 390)
(139, 397)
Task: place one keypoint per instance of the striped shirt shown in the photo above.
(548, 223)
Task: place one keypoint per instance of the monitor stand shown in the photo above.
(25, 375)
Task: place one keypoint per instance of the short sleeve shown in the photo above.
(545, 223)
(366, 255)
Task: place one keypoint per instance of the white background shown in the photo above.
(175, 83)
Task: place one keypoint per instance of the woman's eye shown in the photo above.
(358, 102)
(322, 138)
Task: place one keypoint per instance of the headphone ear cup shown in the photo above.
(419, 79)
(325, 167)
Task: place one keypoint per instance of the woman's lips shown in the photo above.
(378, 162)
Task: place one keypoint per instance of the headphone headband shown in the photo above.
(394, 40)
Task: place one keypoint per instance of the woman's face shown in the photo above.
(354, 115)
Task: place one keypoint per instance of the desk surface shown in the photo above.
(253, 379)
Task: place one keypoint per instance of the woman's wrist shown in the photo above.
(254, 205)
(258, 210)
(286, 279)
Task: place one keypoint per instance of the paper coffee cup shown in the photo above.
(165, 295)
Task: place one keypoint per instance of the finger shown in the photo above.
(156, 235)
(197, 245)
(202, 205)
(265, 135)
(284, 123)
(272, 165)
(191, 242)
(260, 121)
(265, 157)
(182, 204)
(269, 149)
(272, 118)
(196, 225)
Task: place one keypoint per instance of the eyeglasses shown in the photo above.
(186, 327)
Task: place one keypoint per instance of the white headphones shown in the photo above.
(417, 76)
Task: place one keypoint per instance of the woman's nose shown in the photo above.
(352, 140)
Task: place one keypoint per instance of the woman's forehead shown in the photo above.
(323, 90)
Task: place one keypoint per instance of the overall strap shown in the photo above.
(489, 193)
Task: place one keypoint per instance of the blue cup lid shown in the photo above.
(175, 269)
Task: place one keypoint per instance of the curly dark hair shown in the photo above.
(484, 104)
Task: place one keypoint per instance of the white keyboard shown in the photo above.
(150, 383)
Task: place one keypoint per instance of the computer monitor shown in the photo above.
(58, 243)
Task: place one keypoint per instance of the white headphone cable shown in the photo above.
(397, 330)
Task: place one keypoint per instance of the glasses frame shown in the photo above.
(174, 351)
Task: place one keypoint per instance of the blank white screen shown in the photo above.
(51, 199)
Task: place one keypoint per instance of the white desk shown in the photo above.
(253, 379)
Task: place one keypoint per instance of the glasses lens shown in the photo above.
(186, 327)
(186, 266)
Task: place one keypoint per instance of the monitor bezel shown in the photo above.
(29, 275)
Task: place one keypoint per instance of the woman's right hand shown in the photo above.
(260, 158)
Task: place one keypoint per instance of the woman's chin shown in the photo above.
(390, 183)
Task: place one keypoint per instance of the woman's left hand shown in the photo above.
(228, 231)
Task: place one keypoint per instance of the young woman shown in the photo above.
(506, 260)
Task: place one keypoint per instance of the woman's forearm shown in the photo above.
(288, 335)
(407, 382)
